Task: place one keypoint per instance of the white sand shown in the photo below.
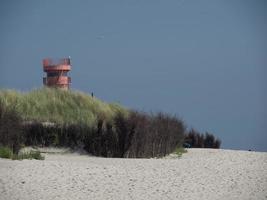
(199, 174)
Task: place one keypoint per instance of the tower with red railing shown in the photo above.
(57, 73)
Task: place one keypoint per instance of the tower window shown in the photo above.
(53, 74)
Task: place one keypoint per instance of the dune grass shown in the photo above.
(58, 106)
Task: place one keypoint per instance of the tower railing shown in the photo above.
(54, 62)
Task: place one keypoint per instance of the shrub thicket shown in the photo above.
(199, 140)
(153, 135)
(11, 134)
(137, 135)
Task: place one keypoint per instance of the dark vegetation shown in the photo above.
(11, 132)
(109, 131)
(137, 136)
(200, 140)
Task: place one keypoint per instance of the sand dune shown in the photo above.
(198, 174)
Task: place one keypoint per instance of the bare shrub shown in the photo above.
(199, 140)
(154, 135)
(11, 132)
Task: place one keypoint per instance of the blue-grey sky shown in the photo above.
(204, 61)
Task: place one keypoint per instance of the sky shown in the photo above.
(203, 61)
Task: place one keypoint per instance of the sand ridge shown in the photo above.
(198, 174)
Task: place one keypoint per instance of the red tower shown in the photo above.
(56, 73)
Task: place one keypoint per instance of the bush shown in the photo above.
(136, 135)
(199, 140)
(154, 135)
(11, 132)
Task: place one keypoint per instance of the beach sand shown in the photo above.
(198, 174)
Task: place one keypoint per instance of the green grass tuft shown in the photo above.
(180, 150)
(5, 152)
(29, 155)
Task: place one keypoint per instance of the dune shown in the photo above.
(198, 174)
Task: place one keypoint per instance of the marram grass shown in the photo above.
(58, 106)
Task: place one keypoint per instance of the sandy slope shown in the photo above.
(199, 174)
